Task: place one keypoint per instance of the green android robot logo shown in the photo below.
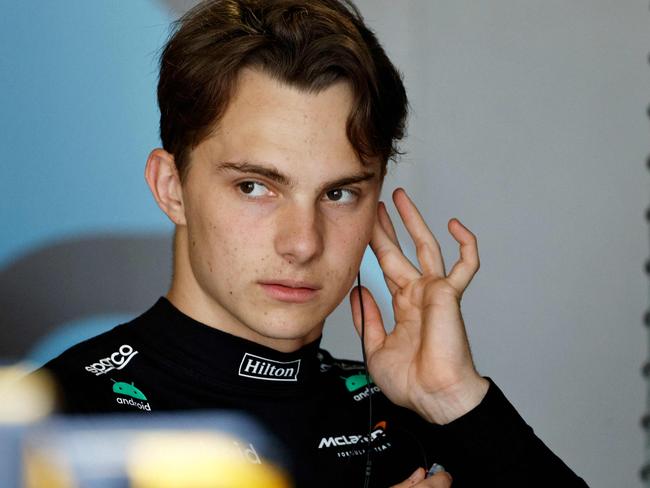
(353, 383)
(127, 389)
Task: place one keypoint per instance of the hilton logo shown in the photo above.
(266, 369)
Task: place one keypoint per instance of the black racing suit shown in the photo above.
(317, 406)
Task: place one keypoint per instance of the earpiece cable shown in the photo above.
(365, 365)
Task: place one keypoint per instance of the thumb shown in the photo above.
(374, 325)
(417, 476)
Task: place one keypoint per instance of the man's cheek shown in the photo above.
(349, 261)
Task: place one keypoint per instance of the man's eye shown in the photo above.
(248, 188)
(342, 195)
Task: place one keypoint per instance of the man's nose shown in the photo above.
(299, 238)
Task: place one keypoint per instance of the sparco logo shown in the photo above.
(117, 360)
(266, 369)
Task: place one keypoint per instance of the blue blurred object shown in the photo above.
(95, 451)
(10, 457)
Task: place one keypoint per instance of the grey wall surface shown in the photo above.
(529, 125)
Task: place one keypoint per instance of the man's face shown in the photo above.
(265, 201)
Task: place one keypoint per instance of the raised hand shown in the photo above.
(425, 363)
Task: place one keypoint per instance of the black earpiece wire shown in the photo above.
(368, 470)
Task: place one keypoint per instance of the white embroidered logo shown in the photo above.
(117, 360)
(267, 369)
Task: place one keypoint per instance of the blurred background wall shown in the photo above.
(528, 123)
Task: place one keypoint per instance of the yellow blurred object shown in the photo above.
(42, 471)
(198, 460)
(25, 398)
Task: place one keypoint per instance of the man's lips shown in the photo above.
(291, 284)
(290, 291)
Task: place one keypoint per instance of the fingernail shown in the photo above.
(436, 468)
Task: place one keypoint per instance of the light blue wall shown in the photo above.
(78, 118)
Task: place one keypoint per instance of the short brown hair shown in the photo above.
(310, 44)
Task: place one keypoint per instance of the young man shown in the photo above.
(277, 121)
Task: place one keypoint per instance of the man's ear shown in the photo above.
(165, 184)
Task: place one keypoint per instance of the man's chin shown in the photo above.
(291, 332)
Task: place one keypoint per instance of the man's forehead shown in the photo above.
(288, 135)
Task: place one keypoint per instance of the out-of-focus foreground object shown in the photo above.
(191, 449)
(169, 460)
(64, 455)
(24, 399)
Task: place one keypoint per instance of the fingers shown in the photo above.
(417, 480)
(387, 224)
(398, 270)
(396, 267)
(467, 266)
(426, 245)
(375, 334)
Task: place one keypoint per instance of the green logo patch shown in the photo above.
(357, 381)
(128, 390)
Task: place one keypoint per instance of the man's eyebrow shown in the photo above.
(246, 167)
(273, 174)
(350, 180)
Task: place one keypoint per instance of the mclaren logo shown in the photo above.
(267, 369)
(378, 431)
